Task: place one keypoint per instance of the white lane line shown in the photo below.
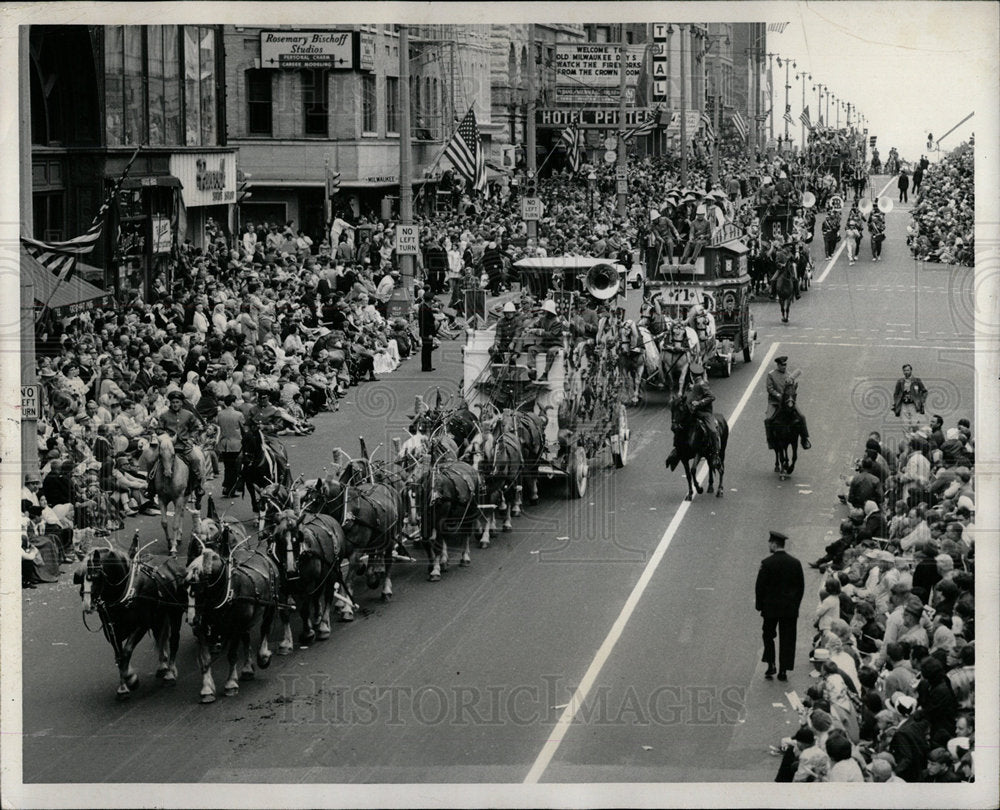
(843, 244)
(562, 726)
(870, 345)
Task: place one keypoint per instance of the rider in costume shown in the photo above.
(507, 331)
(699, 398)
(183, 424)
(777, 379)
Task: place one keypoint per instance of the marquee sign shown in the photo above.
(586, 64)
(589, 117)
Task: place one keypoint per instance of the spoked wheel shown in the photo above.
(579, 472)
(619, 442)
(726, 368)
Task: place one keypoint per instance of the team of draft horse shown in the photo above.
(450, 484)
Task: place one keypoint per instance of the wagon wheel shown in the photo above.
(726, 367)
(619, 443)
(750, 342)
(579, 472)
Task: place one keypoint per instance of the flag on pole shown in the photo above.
(60, 257)
(572, 140)
(776, 28)
(647, 127)
(706, 121)
(465, 151)
(788, 113)
(804, 118)
(740, 124)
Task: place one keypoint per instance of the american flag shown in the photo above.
(60, 257)
(706, 121)
(788, 113)
(740, 124)
(572, 139)
(647, 127)
(465, 151)
(776, 28)
(805, 119)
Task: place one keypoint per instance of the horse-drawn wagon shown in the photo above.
(718, 282)
(582, 398)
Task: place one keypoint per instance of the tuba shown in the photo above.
(602, 281)
(885, 204)
(808, 199)
(865, 207)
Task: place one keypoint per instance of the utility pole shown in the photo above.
(684, 145)
(29, 425)
(670, 82)
(622, 147)
(770, 82)
(717, 79)
(530, 126)
(406, 262)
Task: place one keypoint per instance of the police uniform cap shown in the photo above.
(781, 360)
(777, 537)
(175, 395)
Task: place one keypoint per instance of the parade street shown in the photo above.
(642, 600)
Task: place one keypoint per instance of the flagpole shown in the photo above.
(529, 126)
(406, 262)
(622, 148)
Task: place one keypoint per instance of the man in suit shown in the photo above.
(777, 379)
(909, 397)
(231, 422)
(428, 329)
(779, 589)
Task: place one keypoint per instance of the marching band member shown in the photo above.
(876, 227)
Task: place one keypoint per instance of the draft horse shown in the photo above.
(133, 598)
(500, 462)
(230, 592)
(171, 477)
(690, 443)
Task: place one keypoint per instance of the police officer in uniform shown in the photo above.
(777, 379)
(778, 593)
(699, 400)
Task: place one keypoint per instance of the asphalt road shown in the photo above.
(644, 600)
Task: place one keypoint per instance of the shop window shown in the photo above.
(135, 102)
(206, 54)
(259, 110)
(369, 107)
(154, 65)
(171, 85)
(200, 126)
(391, 104)
(315, 104)
(114, 106)
(192, 88)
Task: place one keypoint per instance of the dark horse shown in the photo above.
(263, 462)
(786, 430)
(500, 463)
(446, 497)
(231, 591)
(690, 442)
(133, 598)
(308, 549)
(786, 284)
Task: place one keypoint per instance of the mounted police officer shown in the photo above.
(699, 398)
(777, 379)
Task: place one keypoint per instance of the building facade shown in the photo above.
(98, 93)
(293, 117)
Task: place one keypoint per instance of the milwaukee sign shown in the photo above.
(589, 117)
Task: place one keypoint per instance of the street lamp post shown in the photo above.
(827, 116)
(684, 149)
(670, 83)
(591, 181)
(803, 77)
(818, 87)
(770, 100)
(788, 63)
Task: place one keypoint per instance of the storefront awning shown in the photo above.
(163, 180)
(68, 298)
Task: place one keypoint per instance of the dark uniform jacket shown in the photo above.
(917, 394)
(780, 586)
(425, 320)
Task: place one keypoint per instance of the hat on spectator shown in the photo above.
(902, 704)
(959, 747)
(940, 755)
(32, 478)
(805, 736)
(966, 502)
(175, 395)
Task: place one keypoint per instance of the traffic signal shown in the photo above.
(530, 185)
(243, 186)
(332, 184)
(930, 141)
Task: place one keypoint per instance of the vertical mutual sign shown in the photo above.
(407, 240)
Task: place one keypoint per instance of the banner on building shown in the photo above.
(333, 50)
(586, 64)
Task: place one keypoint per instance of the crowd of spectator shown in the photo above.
(892, 696)
(943, 225)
